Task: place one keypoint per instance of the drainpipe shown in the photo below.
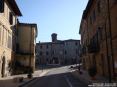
(107, 52)
(110, 35)
(14, 49)
(88, 42)
(30, 47)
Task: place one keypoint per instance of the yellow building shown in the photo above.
(9, 12)
(99, 37)
(25, 47)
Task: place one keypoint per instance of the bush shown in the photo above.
(30, 71)
(92, 71)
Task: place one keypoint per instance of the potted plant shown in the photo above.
(92, 71)
(30, 72)
(29, 75)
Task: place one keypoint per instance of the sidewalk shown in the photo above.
(12, 81)
(86, 78)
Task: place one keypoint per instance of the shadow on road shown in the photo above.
(58, 80)
(40, 67)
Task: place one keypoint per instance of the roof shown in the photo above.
(85, 12)
(90, 2)
(81, 22)
(54, 34)
(58, 42)
(45, 43)
(71, 40)
(40, 43)
(30, 24)
(14, 7)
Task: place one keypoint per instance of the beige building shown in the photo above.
(99, 37)
(9, 12)
(25, 47)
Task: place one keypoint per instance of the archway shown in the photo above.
(55, 60)
(3, 67)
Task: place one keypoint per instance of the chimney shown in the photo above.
(54, 37)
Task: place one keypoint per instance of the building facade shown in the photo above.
(99, 36)
(57, 52)
(25, 47)
(9, 12)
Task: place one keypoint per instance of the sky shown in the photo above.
(53, 16)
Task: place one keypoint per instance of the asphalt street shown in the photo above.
(58, 77)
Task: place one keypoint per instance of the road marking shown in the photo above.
(68, 82)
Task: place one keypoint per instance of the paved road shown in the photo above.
(58, 77)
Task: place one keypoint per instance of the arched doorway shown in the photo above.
(55, 60)
(3, 67)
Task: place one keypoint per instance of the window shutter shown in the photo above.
(1, 6)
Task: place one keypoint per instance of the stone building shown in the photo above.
(9, 12)
(25, 47)
(98, 31)
(57, 51)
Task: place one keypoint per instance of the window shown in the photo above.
(10, 18)
(17, 47)
(76, 51)
(47, 46)
(94, 16)
(3, 37)
(47, 59)
(53, 52)
(41, 47)
(65, 52)
(114, 1)
(47, 53)
(76, 43)
(0, 33)
(98, 7)
(1, 6)
(100, 33)
(41, 53)
(9, 42)
(90, 20)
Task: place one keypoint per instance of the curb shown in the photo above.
(23, 84)
(77, 75)
(32, 80)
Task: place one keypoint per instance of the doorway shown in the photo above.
(3, 67)
(102, 63)
(55, 60)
